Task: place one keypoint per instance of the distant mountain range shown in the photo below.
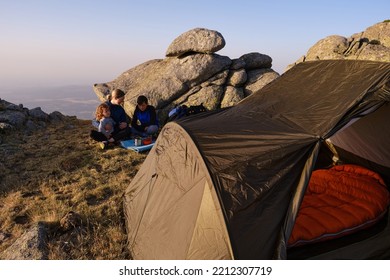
(73, 100)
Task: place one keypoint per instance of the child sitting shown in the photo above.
(144, 122)
(106, 124)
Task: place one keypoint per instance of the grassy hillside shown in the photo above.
(59, 169)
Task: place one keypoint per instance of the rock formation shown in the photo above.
(371, 44)
(192, 73)
(14, 117)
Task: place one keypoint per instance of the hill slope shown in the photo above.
(57, 169)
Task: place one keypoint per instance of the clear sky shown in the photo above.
(75, 42)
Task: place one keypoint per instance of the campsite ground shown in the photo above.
(60, 169)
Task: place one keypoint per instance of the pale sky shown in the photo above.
(74, 42)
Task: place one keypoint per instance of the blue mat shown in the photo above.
(129, 144)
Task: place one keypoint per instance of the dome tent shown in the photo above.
(228, 184)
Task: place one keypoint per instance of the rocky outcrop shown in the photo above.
(371, 44)
(192, 73)
(30, 246)
(16, 117)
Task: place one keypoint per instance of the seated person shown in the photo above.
(105, 125)
(118, 114)
(144, 122)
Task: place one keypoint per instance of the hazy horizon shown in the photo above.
(71, 100)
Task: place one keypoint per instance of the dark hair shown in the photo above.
(142, 99)
(117, 92)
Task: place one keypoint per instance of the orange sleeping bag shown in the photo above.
(339, 201)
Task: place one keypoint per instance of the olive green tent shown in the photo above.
(228, 184)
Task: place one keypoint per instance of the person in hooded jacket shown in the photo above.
(144, 122)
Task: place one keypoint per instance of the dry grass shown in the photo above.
(59, 169)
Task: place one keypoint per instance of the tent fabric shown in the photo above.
(367, 138)
(166, 206)
(258, 155)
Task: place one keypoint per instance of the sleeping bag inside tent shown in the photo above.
(229, 184)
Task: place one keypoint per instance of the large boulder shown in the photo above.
(192, 73)
(371, 44)
(198, 40)
(331, 47)
(259, 78)
(256, 60)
